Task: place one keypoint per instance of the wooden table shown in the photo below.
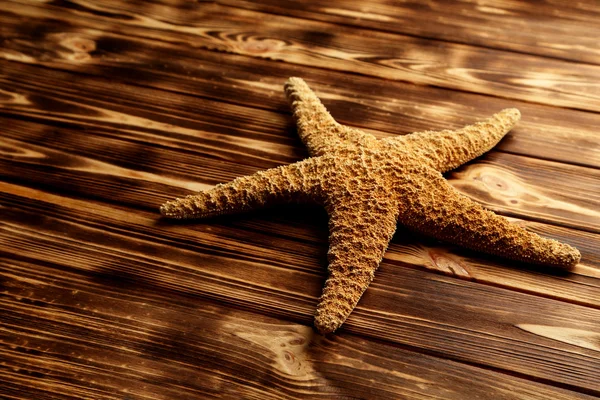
(108, 108)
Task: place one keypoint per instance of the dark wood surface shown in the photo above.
(108, 108)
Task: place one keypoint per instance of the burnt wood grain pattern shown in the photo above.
(267, 274)
(382, 108)
(517, 186)
(541, 27)
(108, 108)
(341, 48)
(56, 340)
(72, 170)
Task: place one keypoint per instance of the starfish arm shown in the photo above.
(294, 182)
(359, 235)
(316, 127)
(449, 149)
(440, 211)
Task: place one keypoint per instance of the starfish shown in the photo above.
(367, 186)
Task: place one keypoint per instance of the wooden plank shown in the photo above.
(165, 148)
(534, 337)
(501, 183)
(511, 184)
(380, 106)
(365, 52)
(546, 28)
(406, 250)
(70, 335)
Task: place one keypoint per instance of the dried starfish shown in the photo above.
(367, 186)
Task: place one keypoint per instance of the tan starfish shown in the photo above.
(367, 186)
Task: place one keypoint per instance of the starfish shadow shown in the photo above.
(466, 259)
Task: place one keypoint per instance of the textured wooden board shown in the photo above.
(549, 28)
(266, 273)
(218, 148)
(56, 344)
(334, 47)
(383, 107)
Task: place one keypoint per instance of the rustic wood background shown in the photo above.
(108, 108)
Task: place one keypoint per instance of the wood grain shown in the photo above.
(279, 231)
(196, 155)
(532, 27)
(264, 273)
(168, 345)
(341, 48)
(382, 107)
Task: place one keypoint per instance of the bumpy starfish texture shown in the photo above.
(367, 186)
